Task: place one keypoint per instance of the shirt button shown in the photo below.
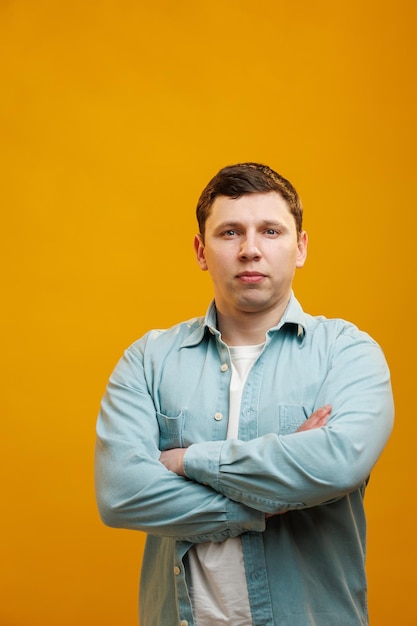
(224, 367)
(177, 570)
(183, 622)
(218, 416)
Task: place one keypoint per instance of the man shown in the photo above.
(242, 442)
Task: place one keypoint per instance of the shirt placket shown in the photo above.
(252, 543)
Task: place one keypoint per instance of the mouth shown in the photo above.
(251, 277)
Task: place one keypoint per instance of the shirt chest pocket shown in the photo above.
(171, 430)
(291, 416)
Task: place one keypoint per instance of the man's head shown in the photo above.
(234, 181)
(251, 241)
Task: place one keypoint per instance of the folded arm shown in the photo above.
(277, 473)
(134, 490)
(173, 459)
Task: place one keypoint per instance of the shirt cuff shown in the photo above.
(201, 463)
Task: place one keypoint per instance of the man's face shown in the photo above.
(251, 251)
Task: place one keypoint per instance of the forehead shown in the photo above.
(250, 207)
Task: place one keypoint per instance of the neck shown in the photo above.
(247, 328)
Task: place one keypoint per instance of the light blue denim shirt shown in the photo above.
(304, 567)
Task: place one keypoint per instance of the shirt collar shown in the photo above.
(293, 315)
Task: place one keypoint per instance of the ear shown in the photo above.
(302, 249)
(199, 252)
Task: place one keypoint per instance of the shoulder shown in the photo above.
(175, 336)
(341, 342)
(337, 328)
(150, 352)
(324, 329)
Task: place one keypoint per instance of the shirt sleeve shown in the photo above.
(134, 490)
(277, 473)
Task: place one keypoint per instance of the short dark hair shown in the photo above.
(244, 178)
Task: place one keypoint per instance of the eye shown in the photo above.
(230, 233)
(272, 232)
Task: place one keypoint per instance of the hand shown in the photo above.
(173, 460)
(318, 419)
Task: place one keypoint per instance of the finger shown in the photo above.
(324, 410)
(317, 419)
(322, 414)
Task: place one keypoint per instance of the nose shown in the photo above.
(249, 250)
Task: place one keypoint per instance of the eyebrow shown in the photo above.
(263, 224)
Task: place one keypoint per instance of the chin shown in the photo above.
(254, 306)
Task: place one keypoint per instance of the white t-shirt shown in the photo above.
(217, 571)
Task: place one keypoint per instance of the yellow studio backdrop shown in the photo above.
(113, 116)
